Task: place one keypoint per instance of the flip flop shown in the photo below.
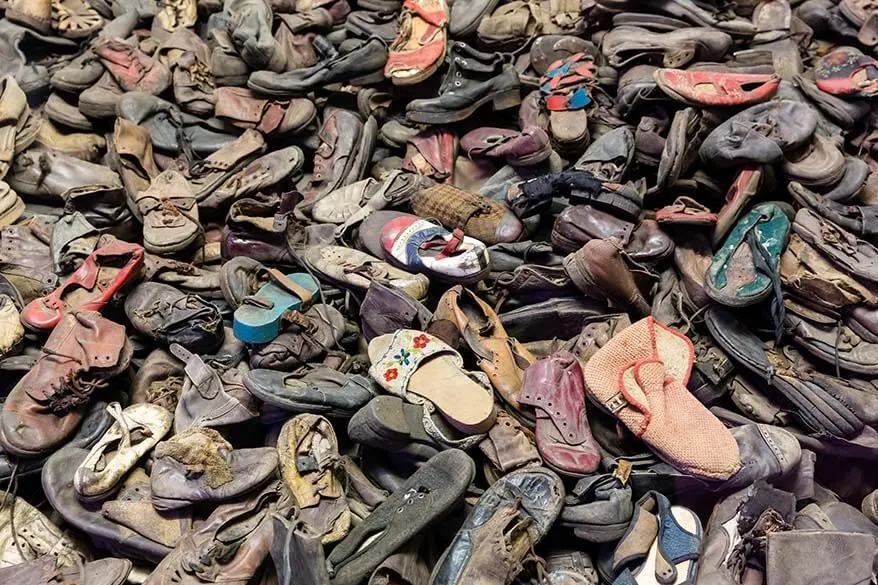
(421, 368)
(258, 319)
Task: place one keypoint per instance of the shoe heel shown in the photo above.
(507, 99)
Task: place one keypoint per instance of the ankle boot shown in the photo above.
(473, 79)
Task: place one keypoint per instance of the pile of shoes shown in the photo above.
(438, 292)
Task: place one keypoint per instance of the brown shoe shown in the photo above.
(479, 217)
(46, 570)
(263, 174)
(600, 269)
(214, 170)
(35, 14)
(344, 154)
(26, 261)
(246, 109)
(175, 15)
(170, 214)
(233, 541)
(130, 154)
(22, 522)
(13, 115)
(47, 404)
(188, 57)
(66, 113)
(99, 101)
(56, 175)
(133, 69)
(188, 278)
(81, 145)
(812, 279)
(499, 356)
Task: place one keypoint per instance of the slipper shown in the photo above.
(711, 88)
(846, 71)
(421, 368)
(673, 535)
(136, 431)
(419, 245)
(640, 377)
(567, 74)
(258, 319)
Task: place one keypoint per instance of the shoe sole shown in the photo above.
(502, 100)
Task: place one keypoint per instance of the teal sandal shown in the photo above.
(258, 319)
(661, 546)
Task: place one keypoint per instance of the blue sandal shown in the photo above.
(258, 319)
(661, 546)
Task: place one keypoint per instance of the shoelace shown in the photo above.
(763, 263)
(176, 119)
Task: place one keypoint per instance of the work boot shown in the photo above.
(473, 79)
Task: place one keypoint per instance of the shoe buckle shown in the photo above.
(616, 403)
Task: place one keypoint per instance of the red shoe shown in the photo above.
(710, 88)
(90, 287)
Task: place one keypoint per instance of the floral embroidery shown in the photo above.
(421, 341)
(403, 357)
(391, 374)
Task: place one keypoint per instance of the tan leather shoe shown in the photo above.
(34, 14)
(499, 356)
(170, 214)
(82, 145)
(11, 205)
(130, 154)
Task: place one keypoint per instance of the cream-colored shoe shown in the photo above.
(11, 329)
(35, 535)
(136, 431)
(11, 205)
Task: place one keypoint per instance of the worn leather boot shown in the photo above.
(473, 79)
(47, 404)
(599, 268)
(249, 25)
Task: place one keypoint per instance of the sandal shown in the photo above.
(686, 211)
(421, 368)
(92, 286)
(419, 245)
(258, 319)
(662, 545)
